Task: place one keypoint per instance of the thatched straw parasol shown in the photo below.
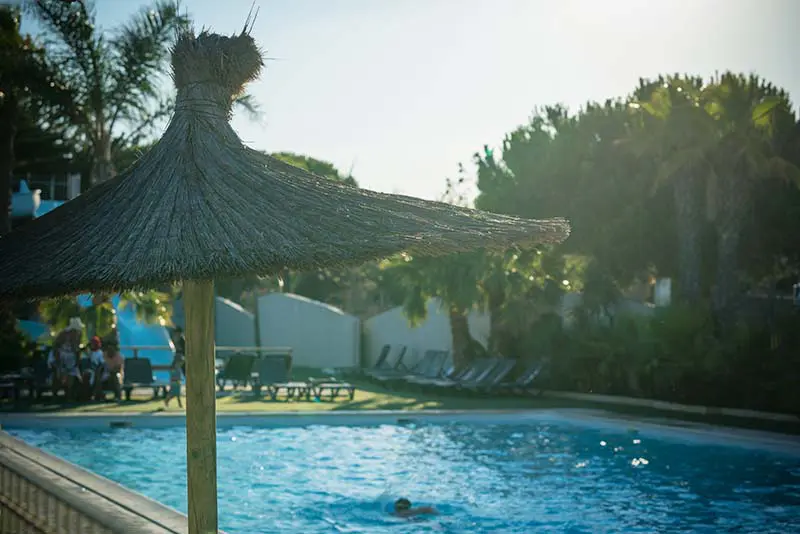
(201, 205)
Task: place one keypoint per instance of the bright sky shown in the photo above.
(402, 91)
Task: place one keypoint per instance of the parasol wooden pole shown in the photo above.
(201, 430)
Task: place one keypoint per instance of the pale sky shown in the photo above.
(404, 90)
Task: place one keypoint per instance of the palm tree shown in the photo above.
(113, 82)
(452, 279)
(675, 128)
(754, 119)
(27, 88)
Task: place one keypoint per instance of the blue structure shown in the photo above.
(33, 329)
(46, 206)
(131, 333)
(134, 333)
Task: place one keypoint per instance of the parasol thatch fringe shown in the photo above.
(201, 205)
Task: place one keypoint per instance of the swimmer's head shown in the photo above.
(401, 505)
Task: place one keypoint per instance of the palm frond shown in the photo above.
(75, 55)
(141, 49)
(147, 118)
(248, 103)
(150, 306)
(72, 26)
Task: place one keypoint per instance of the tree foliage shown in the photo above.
(114, 81)
(150, 307)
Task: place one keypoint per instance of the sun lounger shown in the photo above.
(238, 369)
(450, 375)
(41, 381)
(441, 366)
(436, 360)
(329, 389)
(291, 390)
(275, 376)
(138, 373)
(523, 382)
(429, 365)
(381, 363)
(476, 369)
(398, 369)
(12, 384)
(497, 374)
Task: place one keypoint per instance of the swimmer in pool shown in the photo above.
(402, 508)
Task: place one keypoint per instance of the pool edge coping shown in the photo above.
(769, 440)
(55, 474)
(667, 406)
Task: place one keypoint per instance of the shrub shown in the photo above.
(676, 355)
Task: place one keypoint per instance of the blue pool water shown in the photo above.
(552, 477)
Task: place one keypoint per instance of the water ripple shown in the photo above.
(537, 478)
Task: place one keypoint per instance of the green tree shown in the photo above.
(574, 165)
(677, 132)
(754, 121)
(113, 82)
(452, 279)
(151, 307)
(28, 87)
(772, 260)
(26, 84)
(515, 287)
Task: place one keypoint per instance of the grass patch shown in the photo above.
(368, 396)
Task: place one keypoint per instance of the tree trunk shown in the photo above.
(462, 339)
(496, 337)
(459, 330)
(687, 208)
(733, 201)
(102, 166)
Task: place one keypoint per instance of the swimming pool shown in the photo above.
(549, 476)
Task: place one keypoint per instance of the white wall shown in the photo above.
(393, 328)
(234, 326)
(320, 335)
(571, 301)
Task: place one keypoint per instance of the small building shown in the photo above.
(320, 335)
(233, 325)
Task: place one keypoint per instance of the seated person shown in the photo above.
(108, 376)
(64, 358)
(403, 508)
(99, 377)
(86, 370)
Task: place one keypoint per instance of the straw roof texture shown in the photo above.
(200, 205)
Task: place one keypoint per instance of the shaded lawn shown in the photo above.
(368, 396)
